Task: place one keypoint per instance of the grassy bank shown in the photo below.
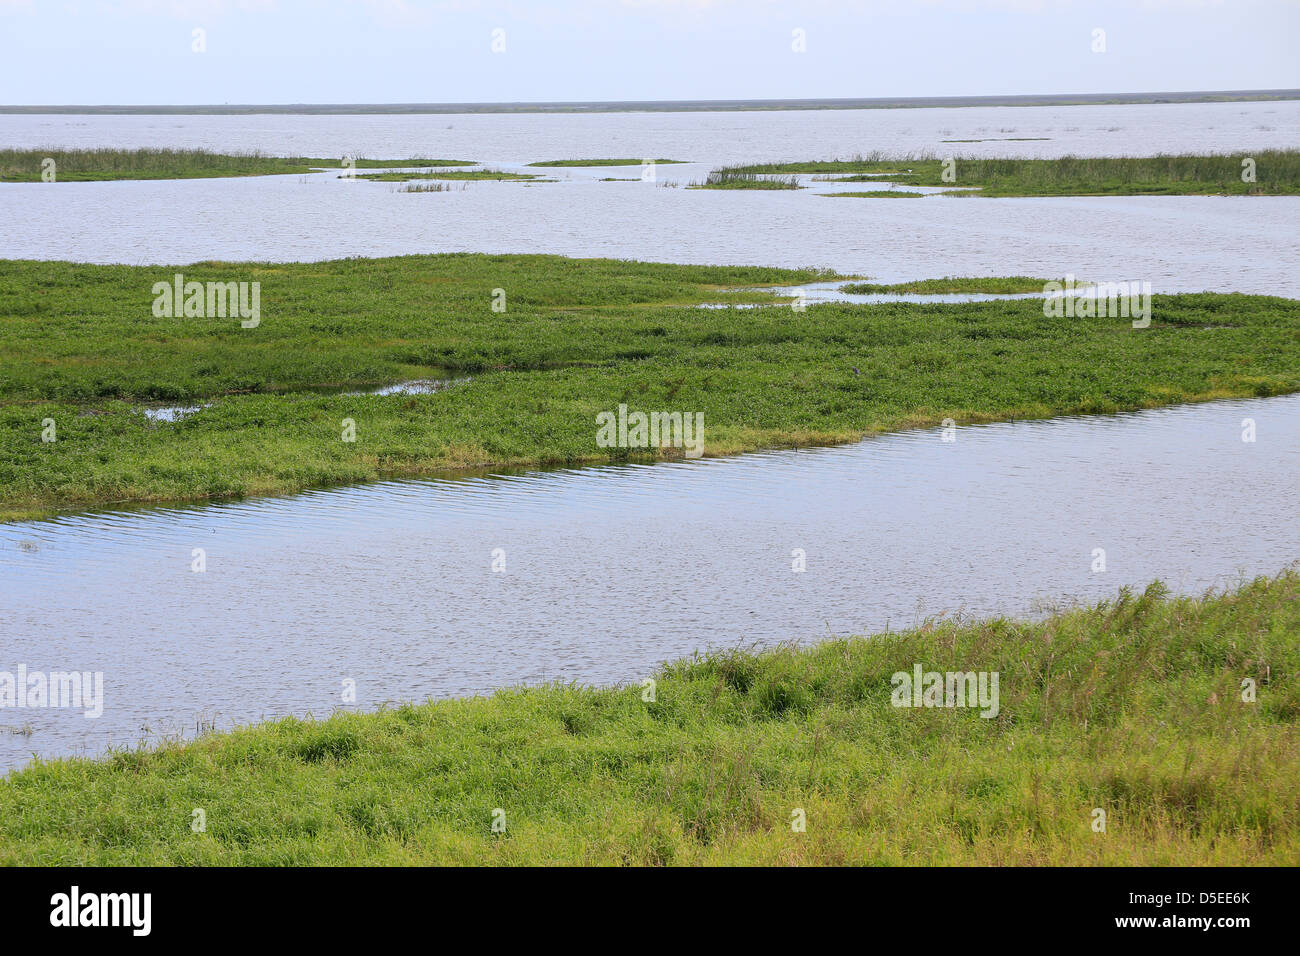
(1134, 708)
(90, 165)
(1276, 172)
(79, 345)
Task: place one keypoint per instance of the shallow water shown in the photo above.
(171, 413)
(419, 386)
(1247, 244)
(611, 570)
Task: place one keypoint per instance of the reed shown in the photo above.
(735, 178)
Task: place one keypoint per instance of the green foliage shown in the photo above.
(1134, 706)
(79, 344)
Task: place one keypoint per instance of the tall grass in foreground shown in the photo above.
(1134, 707)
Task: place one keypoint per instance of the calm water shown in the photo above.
(611, 570)
(1176, 243)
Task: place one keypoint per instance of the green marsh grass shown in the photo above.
(79, 344)
(738, 179)
(1133, 706)
(88, 165)
(1277, 172)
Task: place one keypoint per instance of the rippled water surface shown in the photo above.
(1178, 243)
(612, 570)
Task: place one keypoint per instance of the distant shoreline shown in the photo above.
(679, 106)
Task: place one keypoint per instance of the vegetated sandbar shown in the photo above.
(1146, 730)
(91, 165)
(80, 345)
(1247, 173)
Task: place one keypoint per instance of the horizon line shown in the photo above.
(654, 106)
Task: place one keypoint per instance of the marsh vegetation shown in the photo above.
(1134, 707)
(89, 165)
(79, 345)
(729, 178)
(1271, 173)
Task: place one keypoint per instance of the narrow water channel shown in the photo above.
(609, 571)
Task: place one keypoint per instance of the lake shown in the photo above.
(1246, 244)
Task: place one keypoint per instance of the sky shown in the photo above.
(420, 51)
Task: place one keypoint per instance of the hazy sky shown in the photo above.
(349, 51)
